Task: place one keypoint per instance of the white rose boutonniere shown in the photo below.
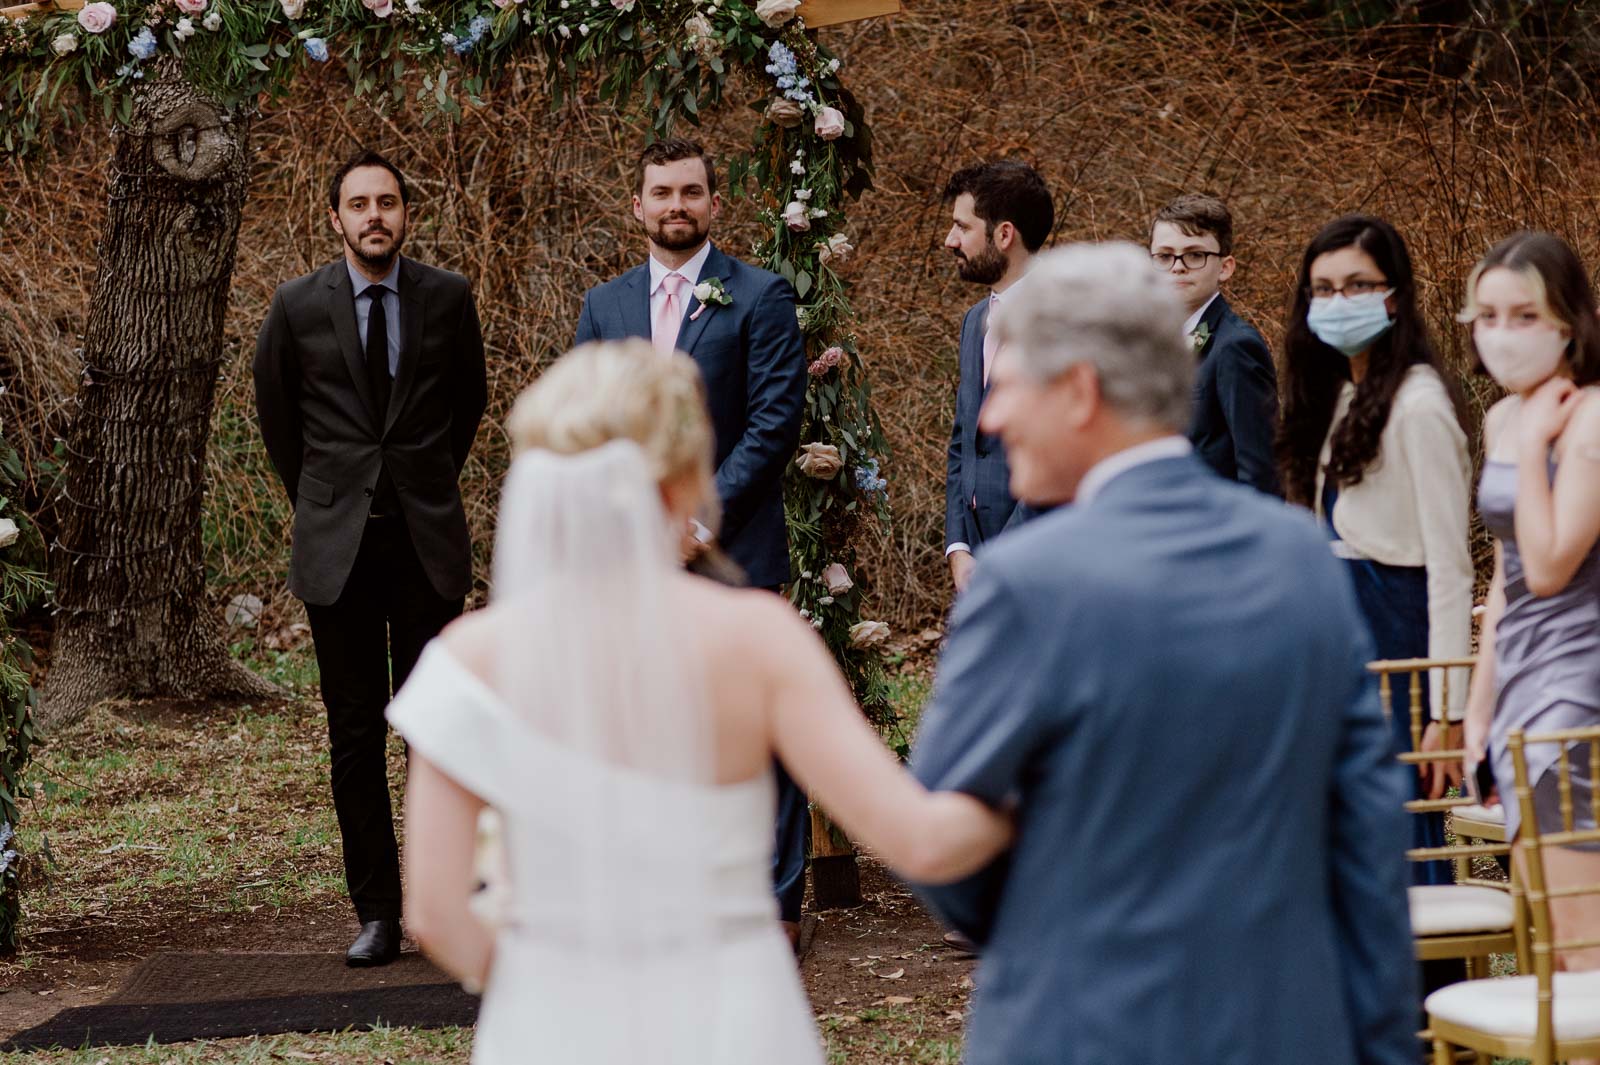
(8, 532)
(1199, 338)
(708, 292)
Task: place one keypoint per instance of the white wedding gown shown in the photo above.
(728, 996)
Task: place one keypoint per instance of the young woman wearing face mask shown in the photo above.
(1372, 442)
(1532, 312)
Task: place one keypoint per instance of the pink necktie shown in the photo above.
(664, 330)
(988, 339)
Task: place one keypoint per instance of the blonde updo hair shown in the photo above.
(615, 390)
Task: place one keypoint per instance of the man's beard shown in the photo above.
(677, 240)
(372, 261)
(985, 268)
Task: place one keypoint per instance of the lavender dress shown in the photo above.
(1546, 667)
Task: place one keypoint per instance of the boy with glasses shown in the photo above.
(1236, 386)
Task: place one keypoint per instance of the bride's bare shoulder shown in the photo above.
(741, 617)
(467, 638)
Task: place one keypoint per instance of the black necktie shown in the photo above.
(378, 352)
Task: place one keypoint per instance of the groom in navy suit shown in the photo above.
(738, 323)
(1000, 216)
(1166, 681)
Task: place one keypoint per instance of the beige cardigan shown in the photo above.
(1411, 509)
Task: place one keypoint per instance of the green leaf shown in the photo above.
(802, 284)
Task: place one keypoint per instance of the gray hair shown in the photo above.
(1105, 304)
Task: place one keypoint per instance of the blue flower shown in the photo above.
(480, 26)
(317, 49)
(463, 45)
(144, 45)
(6, 834)
(867, 480)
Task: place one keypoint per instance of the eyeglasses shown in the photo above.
(1191, 260)
(1322, 290)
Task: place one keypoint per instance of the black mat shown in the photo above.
(174, 998)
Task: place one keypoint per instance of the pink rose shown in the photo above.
(821, 461)
(837, 578)
(192, 7)
(785, 113)
(832, 357)
(829, 124)
(868, 633)
(381, 8)
(818, 368)
(837, 247)
(97, 17)
(797, 217)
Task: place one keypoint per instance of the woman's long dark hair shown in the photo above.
(1567, 294)
(1314, 371)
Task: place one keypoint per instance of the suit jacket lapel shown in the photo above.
(342, 309)
(1211, 320)
(413, 298)
(635, 297)
(717, 266)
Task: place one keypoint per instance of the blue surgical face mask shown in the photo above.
(1349, 324)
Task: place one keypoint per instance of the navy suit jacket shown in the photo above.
(1236, 401)
(976, 464)
(753, 360)
(1209, 866)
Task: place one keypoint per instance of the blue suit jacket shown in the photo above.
(753, 359)
(976, 465)
(1236, 401)
(1209, 861)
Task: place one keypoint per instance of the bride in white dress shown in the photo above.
(621, 717)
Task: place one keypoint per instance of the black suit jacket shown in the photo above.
(1236, 401)
(753, 360)
(328, 441)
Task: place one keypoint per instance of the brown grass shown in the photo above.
(1119, 105)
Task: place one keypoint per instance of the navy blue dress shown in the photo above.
(1394, 600)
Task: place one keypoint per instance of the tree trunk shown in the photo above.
(128, 564)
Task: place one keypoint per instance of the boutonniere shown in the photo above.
(1198, 338)
(708, 292)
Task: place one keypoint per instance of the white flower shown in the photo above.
(701, 36)
(826, 600)
(583, 28)
(776, 12)
(704, 291)
(797, 167)
(803, 195)
(795, 217)
(98, 17)
(8, 532)
(413, 7)
(293, 8)
(64, 44)
(448, 40)
(817, 212)
(212, 22)
(868, 633)
(566, 34)
(833, 66)
(184, 29)
(837, 247)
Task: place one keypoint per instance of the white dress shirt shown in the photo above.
(1194, 319)
(689, 271)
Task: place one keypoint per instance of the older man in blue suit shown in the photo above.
(738, 323)
(1166, 679)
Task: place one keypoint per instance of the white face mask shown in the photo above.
(1520, 359)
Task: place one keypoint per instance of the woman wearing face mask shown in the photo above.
(1372, 442)
(1532, 312)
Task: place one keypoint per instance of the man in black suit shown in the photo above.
(738, 323)
(1000, 216)
(370, 384)
(1236, 386)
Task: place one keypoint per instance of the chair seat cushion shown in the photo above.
(1508, 1006)
(1456, 909)
(1495, 814)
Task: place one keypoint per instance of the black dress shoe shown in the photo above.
(378, 944)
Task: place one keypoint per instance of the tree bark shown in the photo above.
(128, 564)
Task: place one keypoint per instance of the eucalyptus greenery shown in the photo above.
(670, 60)
(21, 586)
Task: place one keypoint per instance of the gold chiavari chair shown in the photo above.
(1473, 917)
(1549, 1016)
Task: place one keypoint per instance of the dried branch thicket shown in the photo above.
(1119, 105)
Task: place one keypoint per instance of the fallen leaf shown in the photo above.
(893, 975)
(898, 1000)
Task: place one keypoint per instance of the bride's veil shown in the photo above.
(596, 662)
